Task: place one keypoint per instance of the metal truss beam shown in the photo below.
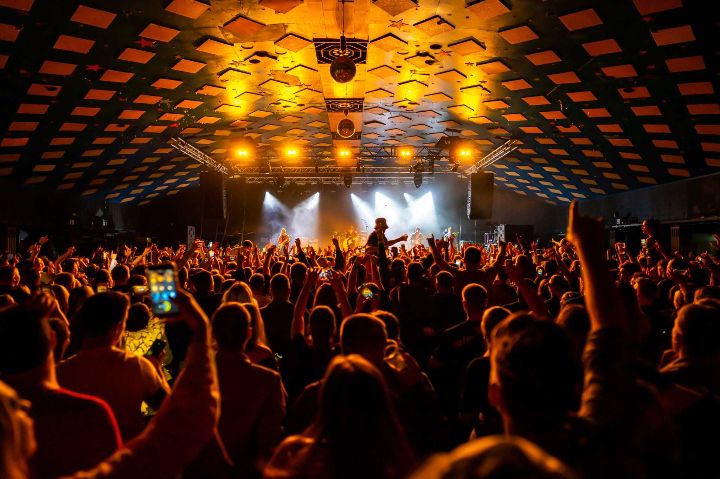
(197, 155)
(497, 154)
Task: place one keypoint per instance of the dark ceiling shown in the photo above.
(604, 96)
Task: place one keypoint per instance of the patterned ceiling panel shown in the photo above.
(603, 96)
(328, 49)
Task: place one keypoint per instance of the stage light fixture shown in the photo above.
(347, 181)
(291, 152)
(418, 179)
(405, 152)
(344, 153)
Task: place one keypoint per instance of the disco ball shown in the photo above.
(342, 69)
(346, 128)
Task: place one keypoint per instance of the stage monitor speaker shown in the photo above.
(480, 196)
(212, 192)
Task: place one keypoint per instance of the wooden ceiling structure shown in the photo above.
(602, 95)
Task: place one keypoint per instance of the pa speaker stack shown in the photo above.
(212, 191)
(480, 196)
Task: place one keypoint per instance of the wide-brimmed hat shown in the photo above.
(381, 223)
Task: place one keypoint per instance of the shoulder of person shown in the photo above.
(264, 372)
(88, 404)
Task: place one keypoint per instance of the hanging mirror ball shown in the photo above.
(346, 128)
(342, 69)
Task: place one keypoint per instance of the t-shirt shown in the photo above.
(375, 238)
(73, 431)
(120, 378)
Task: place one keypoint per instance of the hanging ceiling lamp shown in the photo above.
(342, 68)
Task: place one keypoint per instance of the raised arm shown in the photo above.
(268, 256)
(437, 257)
(298, 322)
(339, 257)
(300, 253)
(529, 293)
(341, 295)
(608, 363)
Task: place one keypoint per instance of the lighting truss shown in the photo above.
(197, 155)
(326, 171)
(362, 179)
(497, 154)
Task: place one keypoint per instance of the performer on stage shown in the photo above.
(283, 239)
(378, 235)
(417, 238)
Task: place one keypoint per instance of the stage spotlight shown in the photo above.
(418, 179)
(347, 180)
(291, 151)
(243, 149)
(405, 152)
(344, 153)
(462, 152)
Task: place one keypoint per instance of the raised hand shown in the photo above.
(584, 229)
(313, 276)
(43, 240)
(514, 273)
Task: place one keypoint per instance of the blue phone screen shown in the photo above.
(162, 291)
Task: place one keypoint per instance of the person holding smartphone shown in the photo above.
(124, 380)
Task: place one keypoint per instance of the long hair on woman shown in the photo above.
(357, 425)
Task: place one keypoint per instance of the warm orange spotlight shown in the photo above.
(465, 153)
(242, 153)
(406, 152)
(292, 152)
(344, 153)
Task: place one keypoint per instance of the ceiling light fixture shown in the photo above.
(342, 68)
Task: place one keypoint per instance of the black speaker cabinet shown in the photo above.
(480, 196)
(212, 191)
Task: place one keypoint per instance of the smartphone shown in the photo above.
(232, 258)
(458, 262)
(540, 271)
(367, 293)
(212, 253)
(156, 348)
(209, 244)
(326, 274)
(101, 287)
(139, 289)
(162, 289)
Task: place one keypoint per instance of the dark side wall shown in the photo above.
(691, 199)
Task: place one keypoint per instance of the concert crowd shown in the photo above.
(426, 359)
